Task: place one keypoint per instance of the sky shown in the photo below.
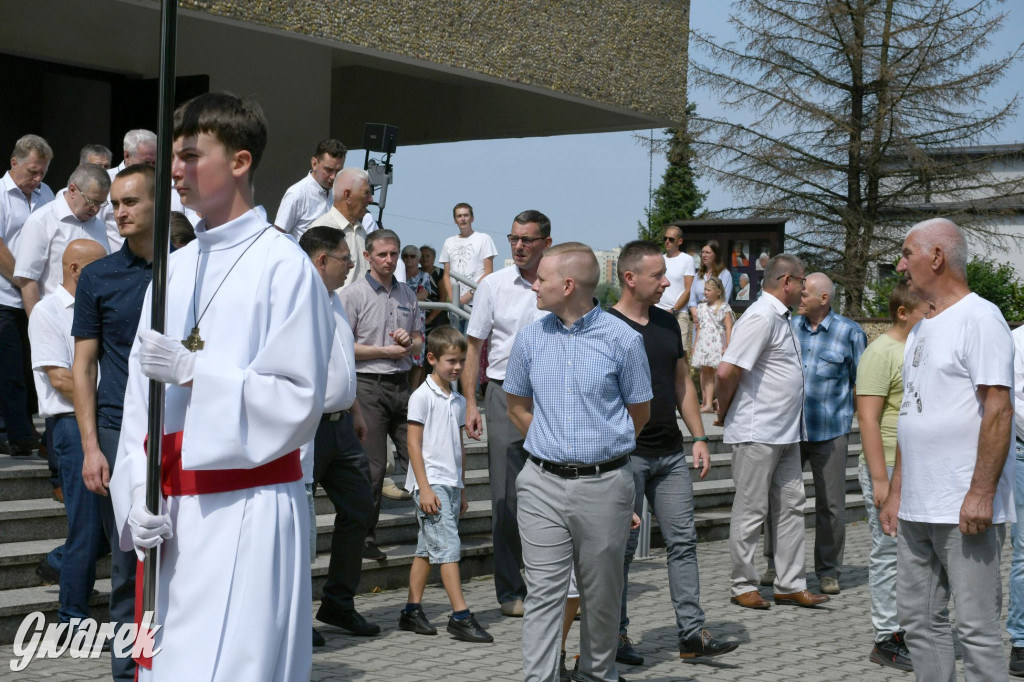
(593, 187)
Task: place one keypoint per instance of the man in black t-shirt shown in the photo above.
(659, 465)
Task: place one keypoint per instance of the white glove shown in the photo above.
(165, 359)
(148, 530)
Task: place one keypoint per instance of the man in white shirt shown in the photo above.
(47, 233)
(469, 253)
(952, 484)
(95, 153)
(312, 196)
(340, 464)
(504, 304)
(52, 356)
(138, 146)
(352, 195)
(680, 271)
(760, 402)
(22, 191)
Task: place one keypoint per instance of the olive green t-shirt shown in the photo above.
(880, 373)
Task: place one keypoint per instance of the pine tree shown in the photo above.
(677, 198)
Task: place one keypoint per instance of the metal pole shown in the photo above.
(161, 246)
(643, 547)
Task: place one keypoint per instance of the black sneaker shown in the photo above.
(576, 676)
(468, 630)
(626, 654)
(372, 551)
(347, 619)
(893, 653)
(48, 575)
(563, 672)
(318, 639)
(416, 621)
(703, 644)
(1017, 661)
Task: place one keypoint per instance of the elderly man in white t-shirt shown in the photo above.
(952, 485)
(680, 271)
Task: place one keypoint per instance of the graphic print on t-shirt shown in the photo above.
(460, 258)
(912, 389)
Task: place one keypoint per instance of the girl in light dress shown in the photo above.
(714, 327)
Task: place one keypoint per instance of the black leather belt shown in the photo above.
(396, 378)
(576, 472)
(333, 416)
(63, 414)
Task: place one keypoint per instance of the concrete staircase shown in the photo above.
(31, 524)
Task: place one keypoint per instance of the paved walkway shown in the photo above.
(783, 644)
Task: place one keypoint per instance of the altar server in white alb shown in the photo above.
(244, 357)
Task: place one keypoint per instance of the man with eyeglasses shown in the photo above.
(504, 304)
(48, 231)
(760, 402)
(680, 271)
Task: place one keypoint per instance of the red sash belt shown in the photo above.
(177, 481)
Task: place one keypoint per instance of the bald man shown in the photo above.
(830, 347)
(49, 330)
(951, 492)
(578, 388)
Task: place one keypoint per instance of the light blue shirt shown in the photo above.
(580, 378)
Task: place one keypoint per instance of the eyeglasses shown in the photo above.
(801, 279)
(347, 258)
(670, 239)
(527, 241)
(409, 255)
(90, 202)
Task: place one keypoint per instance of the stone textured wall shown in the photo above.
(629, 54)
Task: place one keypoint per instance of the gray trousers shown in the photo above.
(936, 560)
(828, 467)
(505, 460)
(764, 473)
(565, 523)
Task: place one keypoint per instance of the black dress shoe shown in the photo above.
(417, 622)
(372, 551)
(468, 630)
(626, 654)
(48, 575)
(703, 644)
(318, 639)
(347, 619)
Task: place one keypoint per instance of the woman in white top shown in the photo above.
(710, 266)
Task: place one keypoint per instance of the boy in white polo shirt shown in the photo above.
(437, 414)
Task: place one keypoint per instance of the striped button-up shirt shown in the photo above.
(374, 311)
(580, 378)
(830, 355)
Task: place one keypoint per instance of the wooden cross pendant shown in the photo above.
(193, 342)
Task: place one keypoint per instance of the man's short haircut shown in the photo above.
(945, 234)
(678, 224)
(782, 264)
(348, 178)
(531, 216)
(446, 339)
(428, 247)
(27, 144)
(134, 138)
(321, 238)
(94, 150)
(88, 174)
(182, 231)
(145, 170)
(238, 124)
(330, 146)
(463, 204)
(901, 296)
(380, 236)
(578, 262)
(632, 255)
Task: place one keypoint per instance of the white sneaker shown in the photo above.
(393, 492)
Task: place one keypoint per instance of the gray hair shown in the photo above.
(411, 249)
(133, 138)
(821, 283)
(94, 150)
(89, 174)
(350, 177)
(27, 144)
(779, 266)
(944, 234)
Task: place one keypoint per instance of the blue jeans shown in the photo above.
(85, 525)
(1015, 614)
(881, 565)
(666, 483)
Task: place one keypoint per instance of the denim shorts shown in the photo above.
(438, 538)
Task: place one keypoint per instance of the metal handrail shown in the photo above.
(456, 311)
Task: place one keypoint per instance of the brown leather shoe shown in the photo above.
(751, 600)
(802, 598)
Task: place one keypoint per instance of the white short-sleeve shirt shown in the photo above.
(49, 333)
(15, 208)
(768, 404)
(341, 370)
(947, 357)
(46, 234)
(466, 255)
(504, 303)
(442, 415)
(677, 269)
(303, 203)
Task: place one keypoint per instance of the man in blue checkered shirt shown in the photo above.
(579, 389)
(831, 346)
